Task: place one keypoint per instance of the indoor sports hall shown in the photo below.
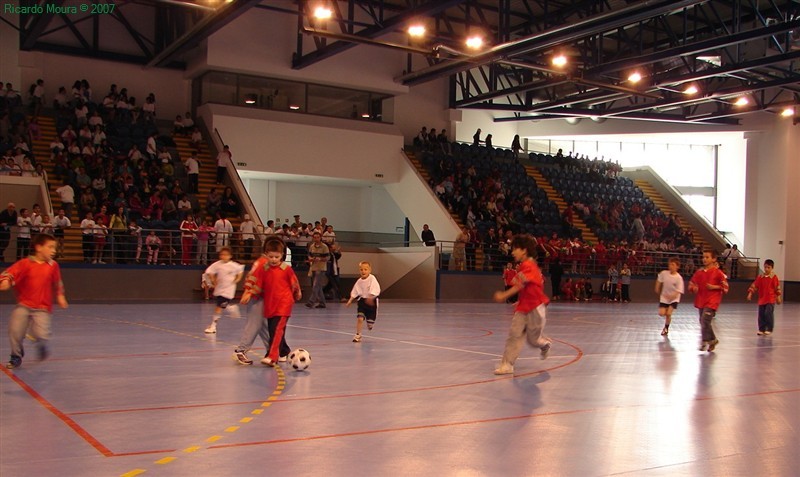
(613, 181)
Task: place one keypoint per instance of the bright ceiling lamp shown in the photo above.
(559, 61)
(742, 101)
(691, 89)
(475, 42)
(635, 77)
(787, 112)
(416, 31)
(322, 13)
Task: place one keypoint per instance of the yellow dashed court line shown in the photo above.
(213, 438)
(245, 420)
(189, 450)
(256, 411)
(232, 429)
(133, 473)
(165, 460)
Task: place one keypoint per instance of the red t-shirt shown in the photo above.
(35, 283)
(532, 281)
(709, 298)
(508, 276)
(276, 285)
(767, 286)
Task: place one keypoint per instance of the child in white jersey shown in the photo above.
(223, 274)
(365, 291)
(669, 286)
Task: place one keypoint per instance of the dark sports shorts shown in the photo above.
(707, 312)
(674, 305)
(370, 313)
(223, 302)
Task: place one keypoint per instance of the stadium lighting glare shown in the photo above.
(559, 60)
(474, 42)
(635, 77)
(365, 115)
(322, 13)
(742, 101)
(294, 107)
(416, 31)
(691, 89)
(787, 112)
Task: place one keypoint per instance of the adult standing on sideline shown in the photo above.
(427, 236)
(222, 230)
(8, 219)
(222, 162)
(556, 272)
(248, 236)
(318, 256)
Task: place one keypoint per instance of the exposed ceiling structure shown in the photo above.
(727, 51)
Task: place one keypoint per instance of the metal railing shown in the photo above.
(236, 182)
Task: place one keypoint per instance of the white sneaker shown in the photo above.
(504, 369)
(212, 328)
(267, 362)
(357, 339)
(282, 359)
(767, 333)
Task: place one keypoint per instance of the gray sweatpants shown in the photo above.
(524, 326)
(20, 320)
(256, 325)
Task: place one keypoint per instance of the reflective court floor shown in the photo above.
(141, 390)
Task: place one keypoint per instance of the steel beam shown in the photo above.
(37, 27)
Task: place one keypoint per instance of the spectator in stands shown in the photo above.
(118, 229)
(192, 165)
(213, 202)
(516, 146)
(60, 99)
(203, 236)
(61, 222)
(177, 125)
(613, 278)
(188, 123)
(222, 230)
(328, 235)
(196, 138)
(149, 109)
(223, 158)
(421, 139)
(488, 141)
(152, 148)
(229, 203)
(8, 219)
(460, 250)
(184, 206)
(318, 257)
(24, 224)
(476, 139)
(427, 236)
(169, 209)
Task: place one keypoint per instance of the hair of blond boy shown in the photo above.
(675, 260)
(362, 263)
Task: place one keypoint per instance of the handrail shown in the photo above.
(236, 182)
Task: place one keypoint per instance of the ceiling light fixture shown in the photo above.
(322, 13)
(691, 89)
(416, 31)
(635, 77)
(294, 107)
(559, 60)
(742, 101)
(787, 112)
(474, 42)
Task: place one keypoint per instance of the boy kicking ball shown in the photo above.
(36, 280)
(529, 314)
(366, 291)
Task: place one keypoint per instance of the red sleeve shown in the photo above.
(57, 282)
(14, 272)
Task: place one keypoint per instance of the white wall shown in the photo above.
(472, 119)
(171, 89)
(301, 144)
(348, 208)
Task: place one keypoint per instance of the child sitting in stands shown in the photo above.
(568, 290)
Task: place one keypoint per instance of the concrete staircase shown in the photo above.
(552, 194)
(665, 206)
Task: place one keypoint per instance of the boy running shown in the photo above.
(223, 275)
(529, 314)
(36, 279)
(710, 283)
(365, 291)
(669, 287)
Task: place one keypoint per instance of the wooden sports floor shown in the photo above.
(139, 389)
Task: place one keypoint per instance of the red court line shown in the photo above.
(472, 422)
(64, 418)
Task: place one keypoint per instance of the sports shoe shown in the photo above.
(320, 305)
(703, 346)
(241, 358)
(370, 325)
(267, 362)
(768, 333)
(504, 369)
(544, 351)
(357, 339)
(665, 331)
(283, 359)
(712, 345)
(44, 353)
(14, 362)
(309, 305)
(212, 328)
(760, 333)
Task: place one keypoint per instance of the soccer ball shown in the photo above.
(299, 359)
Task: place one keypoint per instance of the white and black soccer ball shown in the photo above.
(300, 359)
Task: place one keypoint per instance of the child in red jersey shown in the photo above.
(529, 314)
(277, 284)
(508, 280)
(256, 325)
(36, 280)
(710, 283)
(769, 292)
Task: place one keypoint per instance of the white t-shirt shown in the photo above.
(670, 286)
(192, 166)
(248, 228)
(226, 277)
(67, 194)
(366, 287)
